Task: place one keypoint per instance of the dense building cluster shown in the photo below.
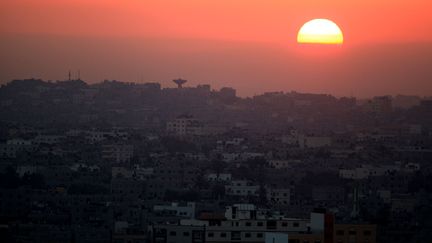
(126, 162)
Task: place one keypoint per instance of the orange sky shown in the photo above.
(245, 20)
(175, 32)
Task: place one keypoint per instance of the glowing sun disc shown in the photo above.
(320, 31)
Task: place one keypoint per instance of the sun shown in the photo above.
(320, 31)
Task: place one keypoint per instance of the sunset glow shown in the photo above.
(320, 31)
(226, 43)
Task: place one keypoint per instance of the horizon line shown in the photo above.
(425, 97)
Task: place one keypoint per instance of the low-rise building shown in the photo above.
(347, 233)
(317, 142)
(117, 153)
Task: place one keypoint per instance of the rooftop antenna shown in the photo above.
(69, 75)
(79, 74)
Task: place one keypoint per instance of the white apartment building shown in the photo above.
(19, 142)
(241, 188)
(281, 164)
(365, 171)
(223, 177)
(184, 125)
(47, 139)
(178, 209)
(280, 196)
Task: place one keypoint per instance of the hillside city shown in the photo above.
(138, 163)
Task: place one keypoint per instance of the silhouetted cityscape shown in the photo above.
(137, 163)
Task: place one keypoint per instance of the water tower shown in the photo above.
(179, 82)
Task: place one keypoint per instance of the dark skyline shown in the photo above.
(116, 161)
(362, 71)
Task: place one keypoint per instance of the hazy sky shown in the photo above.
(247, 44)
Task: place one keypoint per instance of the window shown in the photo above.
(173, 233)
(284, 224)
(352, 232)
(296, 224)
(247, 235)
(271, 224)
(210, 234)
(259, 235)
(248, 224)
(260, 224)
(197, 235)
(223, 235)
(235, 235)
(340, 232)
(186, 234)
(367, 232)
